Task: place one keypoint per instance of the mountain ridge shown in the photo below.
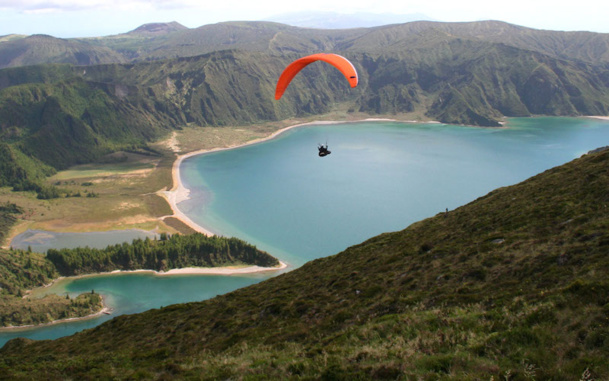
(336, 20)
(223, 74)
(587, 46)
(158, 28)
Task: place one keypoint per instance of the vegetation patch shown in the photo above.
(177, 251)
(21, 271)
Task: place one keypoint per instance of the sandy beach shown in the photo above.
(226, 270)
(229, 270)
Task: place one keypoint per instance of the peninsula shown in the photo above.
(178, 254)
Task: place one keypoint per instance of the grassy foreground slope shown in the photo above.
(512, 286)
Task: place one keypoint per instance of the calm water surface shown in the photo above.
(380, 177)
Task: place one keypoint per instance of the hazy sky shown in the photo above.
(85, 18)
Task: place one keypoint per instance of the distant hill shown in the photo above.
(10, 37)
(512, 286)
(171, 40)
(36, 49)
(335, 20)
(586, 46)
(155, 29)
(127, 90)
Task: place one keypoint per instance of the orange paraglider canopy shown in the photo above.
(339, 62)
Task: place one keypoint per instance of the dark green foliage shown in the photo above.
(47, 192)
(49, 126)
(177, 251)
(22, 270)
(511, 286)
(19, 311)
(19, 170)
(53, 119)
(7, 217)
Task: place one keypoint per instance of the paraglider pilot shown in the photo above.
(323, 150)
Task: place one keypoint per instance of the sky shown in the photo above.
(90, 18)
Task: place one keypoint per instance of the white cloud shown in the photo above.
(34, 6)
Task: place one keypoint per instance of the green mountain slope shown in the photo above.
(47, 121)
(459, 73)
(136, 44)
(46, 112)
(584, 46)
(38, 49)
(511, 286)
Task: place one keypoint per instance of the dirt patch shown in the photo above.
(136, 221)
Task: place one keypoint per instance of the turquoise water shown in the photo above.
(131, 293)
(380, 177)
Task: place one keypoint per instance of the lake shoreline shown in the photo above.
(179, 192)
(225, 271)
(221, 270)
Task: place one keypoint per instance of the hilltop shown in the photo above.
(173, 40)
(336, 20)
(510, 286)
(158, 28)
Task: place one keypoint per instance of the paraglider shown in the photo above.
(323, 150)
(341, 63)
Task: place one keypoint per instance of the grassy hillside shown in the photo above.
(582, 46)
(7, 218)
(511, 286)
(64, 122)
(138, 43)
